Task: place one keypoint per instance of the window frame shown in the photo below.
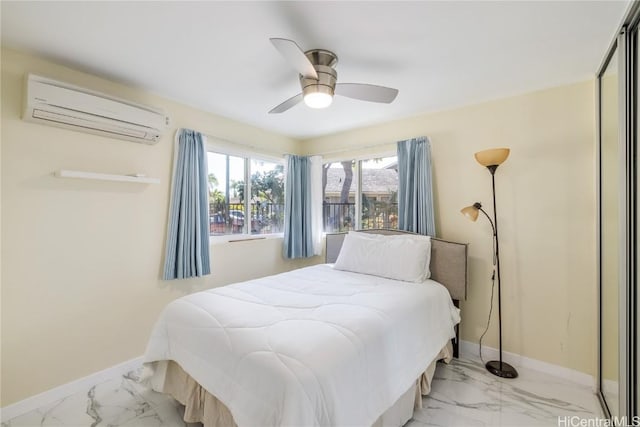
(247, 155)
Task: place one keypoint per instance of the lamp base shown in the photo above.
(501, 369)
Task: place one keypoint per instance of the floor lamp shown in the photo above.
(493, 158)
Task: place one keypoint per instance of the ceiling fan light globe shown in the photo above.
(318, 99)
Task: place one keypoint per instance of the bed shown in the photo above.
(318, 346)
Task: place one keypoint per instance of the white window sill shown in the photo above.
(232, 238)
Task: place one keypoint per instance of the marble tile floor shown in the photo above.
(463, 394)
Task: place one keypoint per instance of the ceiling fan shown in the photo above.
(318, 79)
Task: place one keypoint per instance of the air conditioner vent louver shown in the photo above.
(63, 105)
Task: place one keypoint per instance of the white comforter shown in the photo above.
(310, 347)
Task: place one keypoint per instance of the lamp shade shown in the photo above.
(492, 157)
(470, 212)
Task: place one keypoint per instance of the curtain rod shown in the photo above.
(281, 154)
(246, 145)
(363, 147)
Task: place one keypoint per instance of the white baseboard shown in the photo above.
(83, 384)
(489, 353)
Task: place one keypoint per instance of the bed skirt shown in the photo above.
(202, 407)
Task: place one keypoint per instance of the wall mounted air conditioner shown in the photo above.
(60, 104)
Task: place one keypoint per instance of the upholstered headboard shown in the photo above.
(448, 260)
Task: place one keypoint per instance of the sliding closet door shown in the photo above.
(636, 283)
(609, 159)
(628, 224)
(618, 94)
(633, 178)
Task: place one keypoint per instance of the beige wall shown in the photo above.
(546, 205)
(79, 294)
(82, 259)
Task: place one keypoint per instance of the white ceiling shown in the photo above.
(217, 56)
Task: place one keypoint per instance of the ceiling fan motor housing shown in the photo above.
(323, 62)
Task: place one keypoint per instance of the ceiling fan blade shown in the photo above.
(365, 92)
(291, 102)
(295, 57)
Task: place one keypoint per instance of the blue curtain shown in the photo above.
(415, 194)
(187, 248)
(298, 205)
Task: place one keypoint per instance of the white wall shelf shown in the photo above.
(141, 179)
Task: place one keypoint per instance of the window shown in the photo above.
(368, 187)
(267, 197)
(236, 207)
(379, 178)
(338, 196)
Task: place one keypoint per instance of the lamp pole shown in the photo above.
(499, 368)
(495, 236)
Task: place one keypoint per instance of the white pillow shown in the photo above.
(403, 257)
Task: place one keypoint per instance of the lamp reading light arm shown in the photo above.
(478, 206)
